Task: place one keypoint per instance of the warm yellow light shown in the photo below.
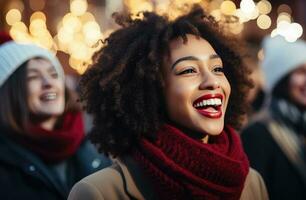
(18, 30)
(215, 4)
(145, 6)
(236, 28)
(136, 6)
(247, 6)
(252, 15)
(78, 7)
(274, 33)
(78, 65)
(60, 45)
(86, 17)
(20, 26)
(37, 27)
(282, 28)
(284, 17)
(264, 21)
(13, 16)
(260, 54)
(45, 41)
(92, 33)
(241, 15)
(216, 14)
(162, 8)
(38, 15)
(82, 69)
(21, 37)
(71, 23)
(264, 7)
(64, 36)
(79, 50)
(228, 7)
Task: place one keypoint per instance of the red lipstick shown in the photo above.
(210, 111)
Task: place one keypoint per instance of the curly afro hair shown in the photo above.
(123, 89)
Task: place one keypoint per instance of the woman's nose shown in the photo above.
(209, 82)
(46, 82)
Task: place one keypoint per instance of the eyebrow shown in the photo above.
(50, 69)
(213, 56)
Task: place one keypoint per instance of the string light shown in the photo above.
(264, 21)
(264, 7)
(79, 34)
(13, 16)
(228, 7)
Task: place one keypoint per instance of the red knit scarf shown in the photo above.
(57, 145)
(183, 168)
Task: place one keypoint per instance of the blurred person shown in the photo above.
(43, 149)
(166, 97)
(256, 94)
(275, 140)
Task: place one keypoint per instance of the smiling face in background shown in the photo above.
(196, 89)
(46, 91)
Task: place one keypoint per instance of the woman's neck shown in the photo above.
(193, 134)
(48, 124)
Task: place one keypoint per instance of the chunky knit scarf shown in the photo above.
(289, 115)
(57, 145)
(183, 168)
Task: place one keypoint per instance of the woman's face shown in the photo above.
(196, 89)
(297, 86)
(46, 93)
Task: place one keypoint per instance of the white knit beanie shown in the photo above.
(281, 58)
(13, 55)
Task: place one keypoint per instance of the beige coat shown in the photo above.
(108, 184)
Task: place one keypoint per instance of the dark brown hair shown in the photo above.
(123, 89)
(14, 109)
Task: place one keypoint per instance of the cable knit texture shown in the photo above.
(183, 168)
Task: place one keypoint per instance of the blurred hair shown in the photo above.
(123, 89)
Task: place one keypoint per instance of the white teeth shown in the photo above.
(49, 96)
(211, 102)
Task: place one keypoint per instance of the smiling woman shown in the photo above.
(43, 150)
(166, 97)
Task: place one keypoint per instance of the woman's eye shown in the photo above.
(54, 75)
(187, 71)
(218, 69)
(32, 77)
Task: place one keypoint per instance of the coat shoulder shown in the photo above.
(104, 184)
(254, 187)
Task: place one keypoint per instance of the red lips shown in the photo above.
(208, 111)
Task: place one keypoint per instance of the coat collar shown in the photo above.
(137, 184)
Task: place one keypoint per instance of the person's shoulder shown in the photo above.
(103, 184)
(254, 187)
(255, 130)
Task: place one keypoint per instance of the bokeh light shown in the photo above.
(13, 16)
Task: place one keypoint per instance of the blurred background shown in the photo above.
(73, 29)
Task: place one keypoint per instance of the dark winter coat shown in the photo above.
(282, 179)
(24, 176)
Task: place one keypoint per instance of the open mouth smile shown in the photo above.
(209, 105)
(49, 96)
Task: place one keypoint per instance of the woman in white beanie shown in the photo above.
(276, 140)
(43, 150)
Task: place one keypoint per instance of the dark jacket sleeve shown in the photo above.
(259, 147)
